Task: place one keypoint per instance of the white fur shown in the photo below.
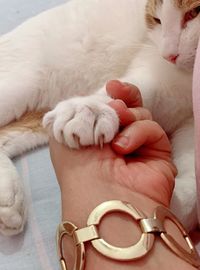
(83, 121)
(184, 199)
(171, 18)
(12, 199)
(15, 142)
(74, 49)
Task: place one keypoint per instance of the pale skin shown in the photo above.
(90, 176)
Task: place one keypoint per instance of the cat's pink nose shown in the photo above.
(172, 58)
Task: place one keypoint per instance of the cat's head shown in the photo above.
(174, 26)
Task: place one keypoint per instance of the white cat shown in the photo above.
(71, 51)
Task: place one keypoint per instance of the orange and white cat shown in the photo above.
(62, 58)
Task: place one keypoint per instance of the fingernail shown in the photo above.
(122, 141)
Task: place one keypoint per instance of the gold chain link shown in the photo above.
(149, 227)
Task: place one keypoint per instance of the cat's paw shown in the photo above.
(12, 203)
(82, 121)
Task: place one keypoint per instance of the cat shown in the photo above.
(60, 60)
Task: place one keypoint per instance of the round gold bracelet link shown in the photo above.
(138, 250)
(68, 229)
(191, 256)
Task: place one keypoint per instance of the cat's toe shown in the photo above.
(12, 206)
(11, 221)
(90, 127)
(107, 125)
(79, 130)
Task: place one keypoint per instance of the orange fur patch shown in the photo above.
(150, 13)
(30, 121)
(186, 5)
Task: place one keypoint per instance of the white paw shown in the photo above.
(82, 121)
(12, 202)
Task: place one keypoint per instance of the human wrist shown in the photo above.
(81, 195)
(113, 225)
(111, 229)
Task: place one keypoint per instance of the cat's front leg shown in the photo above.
(17, 95)
(83, 121)
(184, 199)
(12, 198)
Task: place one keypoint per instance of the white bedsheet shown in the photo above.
(35, 248)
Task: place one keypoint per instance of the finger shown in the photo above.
(147, 134)
(141, 113)
(127, 115)
(129, 93)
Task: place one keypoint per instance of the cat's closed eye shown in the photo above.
(157, 20)
(190, 15)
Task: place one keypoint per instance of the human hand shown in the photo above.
(139, 158)
(136, 167)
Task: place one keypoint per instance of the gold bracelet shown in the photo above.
(150, 228)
